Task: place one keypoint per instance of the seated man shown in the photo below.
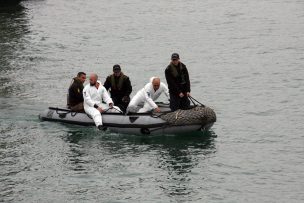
(75, 97)
(120, 87)
(147, 95)
(93, 94)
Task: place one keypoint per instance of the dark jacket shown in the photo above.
(120, 86)
(177, 78)
(75, 92)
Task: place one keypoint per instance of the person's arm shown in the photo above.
(71, 91)
(107, 83)
(171, 81)
(148, 98)
(106, 97)
(128, 86)
(87, 97)
(187, 79)
(76, 92)
(165, 90)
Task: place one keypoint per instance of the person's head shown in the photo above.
(156, 83)
(81, 76)
(116, 70)
(93, 79)
(175, 58)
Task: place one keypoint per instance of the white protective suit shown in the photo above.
(146, 97)
(92, 96)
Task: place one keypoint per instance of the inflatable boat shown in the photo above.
(167, 122)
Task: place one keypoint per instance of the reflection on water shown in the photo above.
(173, 144)
(13, 28)
(174, 157)
(178, 156)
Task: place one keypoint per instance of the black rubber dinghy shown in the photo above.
(168, 122)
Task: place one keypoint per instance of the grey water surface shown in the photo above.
(245, 60)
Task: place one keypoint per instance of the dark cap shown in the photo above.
(116, 67)
(175, 56)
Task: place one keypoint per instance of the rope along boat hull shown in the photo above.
(181, 121)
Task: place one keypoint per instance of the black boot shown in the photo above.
(101, 127)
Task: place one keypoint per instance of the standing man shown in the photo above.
(120, 87)
(144, 99)
(178, 83)
(75, 97)
(93, 94)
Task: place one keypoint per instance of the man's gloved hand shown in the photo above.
(126, 99)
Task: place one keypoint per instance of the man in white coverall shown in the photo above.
(93, 95)
(147, 95)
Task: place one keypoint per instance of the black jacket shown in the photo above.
(117, 91)
(177, 78)
(75, 92)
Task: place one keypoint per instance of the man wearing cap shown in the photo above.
(120, 87)
(178, 83)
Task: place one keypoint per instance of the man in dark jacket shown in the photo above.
(120, 88)
(75, 97)
(178, 83)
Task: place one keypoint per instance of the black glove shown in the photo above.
(126, 99)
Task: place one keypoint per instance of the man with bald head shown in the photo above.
(147, 95)
(94, 94)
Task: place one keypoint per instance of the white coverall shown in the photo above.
(92, 96)
(146, 97)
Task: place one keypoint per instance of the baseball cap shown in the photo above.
(175, 56)
(116, 67)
